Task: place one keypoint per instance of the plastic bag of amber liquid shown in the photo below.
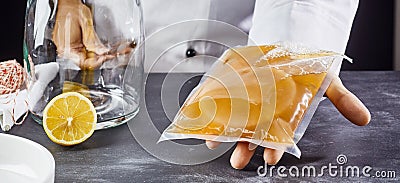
(264, 95)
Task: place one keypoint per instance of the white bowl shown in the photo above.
(22, 160)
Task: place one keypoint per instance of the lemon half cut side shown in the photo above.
(69, 119)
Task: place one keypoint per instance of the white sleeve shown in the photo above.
(322, 24)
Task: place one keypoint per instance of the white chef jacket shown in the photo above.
(324, 24)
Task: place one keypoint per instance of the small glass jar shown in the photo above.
(92, 47)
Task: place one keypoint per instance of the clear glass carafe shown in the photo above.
(91, 47)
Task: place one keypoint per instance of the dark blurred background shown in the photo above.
(371, 44)
(372, 38)
(12, 15)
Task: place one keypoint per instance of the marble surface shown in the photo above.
(113, 155)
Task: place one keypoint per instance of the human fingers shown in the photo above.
(212, 144)
(272, 156)
(347, 103)
(241, 155)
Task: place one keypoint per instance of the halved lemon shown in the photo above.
(69, 119)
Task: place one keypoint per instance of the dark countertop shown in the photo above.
(113, 155)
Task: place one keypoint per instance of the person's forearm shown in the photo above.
(318, 23)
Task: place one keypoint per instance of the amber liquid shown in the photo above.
(215, 116)
(254, 99)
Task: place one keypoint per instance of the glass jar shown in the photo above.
(92, 47)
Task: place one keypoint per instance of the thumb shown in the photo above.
(347, 103)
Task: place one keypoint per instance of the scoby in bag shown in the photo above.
(268, 100)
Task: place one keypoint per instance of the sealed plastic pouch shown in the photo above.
(263, 95)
